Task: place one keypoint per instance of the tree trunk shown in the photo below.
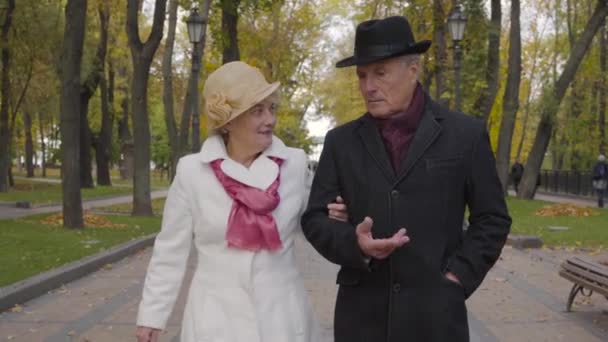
(230, 17)
(485, 101)
(511, 98)
(6, 95)
(552, 98)
(439, 48)
(167, 69)
(124, 133)
(529, 96)
(87, 90)
(75, 14)
(29, 144)
(141, 56)
(603, 90)
(42, 144)
(103, 143)
(86, 143)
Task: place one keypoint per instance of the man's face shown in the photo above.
(387, 86)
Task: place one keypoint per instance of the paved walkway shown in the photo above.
(10, 212)
(522, 299)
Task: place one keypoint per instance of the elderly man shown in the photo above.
(406, 170)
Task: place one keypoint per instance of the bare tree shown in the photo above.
(141, 56)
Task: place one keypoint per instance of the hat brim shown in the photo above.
(416, 48)
(259, 97)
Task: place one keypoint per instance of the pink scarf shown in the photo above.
(251, 225)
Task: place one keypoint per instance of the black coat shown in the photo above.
(406, 297)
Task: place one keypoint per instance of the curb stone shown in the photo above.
(40, 284)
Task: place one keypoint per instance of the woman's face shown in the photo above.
(253, 129)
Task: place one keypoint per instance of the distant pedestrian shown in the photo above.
(600, 179)
(517, 170)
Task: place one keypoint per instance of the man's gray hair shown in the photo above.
(410, 59)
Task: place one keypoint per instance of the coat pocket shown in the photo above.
(454, 161)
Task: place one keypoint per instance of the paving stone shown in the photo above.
(524, 241)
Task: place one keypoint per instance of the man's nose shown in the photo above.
(369, 86)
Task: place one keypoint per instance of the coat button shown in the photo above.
(396, 287)
(395, 194)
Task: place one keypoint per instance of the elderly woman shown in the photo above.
(239, 200)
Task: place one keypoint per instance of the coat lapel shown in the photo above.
(428, 130)
(375, 146)
(262, 172)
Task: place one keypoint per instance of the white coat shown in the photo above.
(235, 295)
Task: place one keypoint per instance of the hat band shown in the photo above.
(380, 50)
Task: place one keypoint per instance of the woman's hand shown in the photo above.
(146, 334)
(338, 210)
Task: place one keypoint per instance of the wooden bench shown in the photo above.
(587, 275)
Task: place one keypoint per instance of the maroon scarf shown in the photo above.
(398, 131)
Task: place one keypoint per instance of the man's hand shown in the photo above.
(378, 248)
(146, 334)
(452, 277)
(338, 210)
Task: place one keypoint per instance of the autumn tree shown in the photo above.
(141, 56)
(552, 97)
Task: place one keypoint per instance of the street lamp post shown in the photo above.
(456, 24)
(195, 32)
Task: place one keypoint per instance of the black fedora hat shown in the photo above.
(380, 39)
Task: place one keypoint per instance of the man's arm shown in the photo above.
(489, 219)
(335, 240)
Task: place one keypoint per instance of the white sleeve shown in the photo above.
(169, 258)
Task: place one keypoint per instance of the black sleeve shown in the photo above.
(333, 239)
(489, 219)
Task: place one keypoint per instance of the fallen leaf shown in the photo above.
(566, 209)
(17, 308)
(72, 333)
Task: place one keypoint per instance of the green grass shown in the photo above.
(28, 247)
(126, 208)
(40, 193)
(590, 231)
(156, 181)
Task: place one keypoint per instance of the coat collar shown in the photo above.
(262, 172)
(428, 130)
